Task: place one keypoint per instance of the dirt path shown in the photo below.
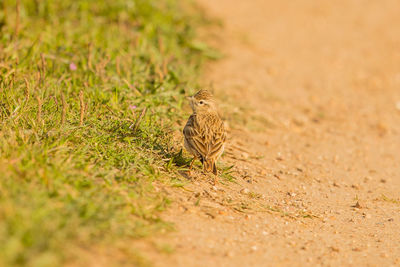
(318, 86)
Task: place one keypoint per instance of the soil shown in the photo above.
(310, 91)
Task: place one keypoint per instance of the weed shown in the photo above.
(227, 173)
(391, 200)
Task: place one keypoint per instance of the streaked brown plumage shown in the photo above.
(204, 132)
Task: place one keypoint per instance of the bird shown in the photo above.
(204, 132)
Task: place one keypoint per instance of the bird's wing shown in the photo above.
(217, 142)
(193, 137)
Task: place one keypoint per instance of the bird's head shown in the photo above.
(202, 101)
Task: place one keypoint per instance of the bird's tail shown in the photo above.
(210, 166)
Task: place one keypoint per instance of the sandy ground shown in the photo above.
(311, 93)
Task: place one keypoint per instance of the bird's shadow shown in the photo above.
(186, 175)
(178, 159)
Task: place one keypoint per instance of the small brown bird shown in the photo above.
(204, 132)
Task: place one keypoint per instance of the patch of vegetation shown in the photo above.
(390, 200)
(227, 173)
(90, 93)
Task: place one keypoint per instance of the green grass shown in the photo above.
(390, 200)
(77, 159)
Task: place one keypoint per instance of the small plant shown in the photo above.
(391, 200)
(227, 173)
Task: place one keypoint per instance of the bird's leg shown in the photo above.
(191, 163)
(215, 182)
(215, 172)
(191, 166)
(203, 163)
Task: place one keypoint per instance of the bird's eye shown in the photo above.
(201, 102)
